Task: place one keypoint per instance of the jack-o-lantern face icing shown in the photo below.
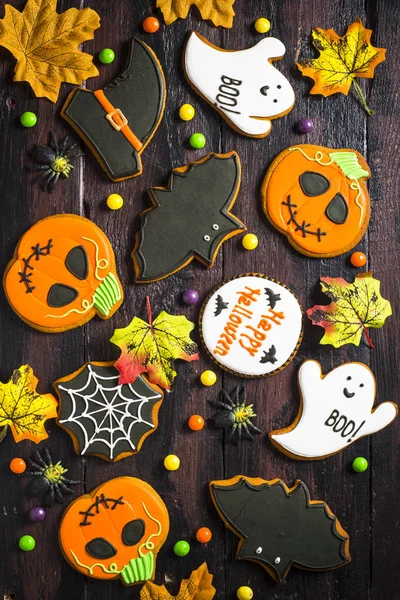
(62, 274)
(116, 531)
(318, 198)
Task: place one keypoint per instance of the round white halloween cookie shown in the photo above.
(336, 410)
(242, 85)
(251, 325)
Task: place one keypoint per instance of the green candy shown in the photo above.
(28, 119)
(106, 56)
(360, 464)
(181, 548)
(197, 140)
(27, 543)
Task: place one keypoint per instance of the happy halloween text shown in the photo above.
(251, 339)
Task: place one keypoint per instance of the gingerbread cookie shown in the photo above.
(118, 122)
(104, 418)
(242, 85)
(251, 325)
(62, 274)
(116, 531)
(317, 197)
(336, 410)
(189, 219)
(280, 527)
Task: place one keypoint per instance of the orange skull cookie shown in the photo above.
(116, 531)
(62, 274)
(318, 198)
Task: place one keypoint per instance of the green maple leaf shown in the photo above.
(354, 308)
(153, 347)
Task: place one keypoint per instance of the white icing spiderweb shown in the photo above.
(104, 412)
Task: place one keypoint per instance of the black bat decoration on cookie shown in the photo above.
(269, 356)
(272, 298)
(188, 219)
(280, 527)
(220, 305)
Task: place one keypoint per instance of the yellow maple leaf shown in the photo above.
(198, 587)
(23, 409)
(45, 45)
(220, 12)
(341, 59)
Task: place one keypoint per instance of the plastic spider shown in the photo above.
(234, 415)
(54, 160)
(49, 481)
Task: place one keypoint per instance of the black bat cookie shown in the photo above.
(280, 527)
(272, 298)
(269, 356)
(220, 305)
(188, 219)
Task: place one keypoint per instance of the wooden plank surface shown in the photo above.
(367, 504)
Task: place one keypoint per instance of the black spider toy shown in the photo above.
(54, 160)
(49, 481)
(235, 416)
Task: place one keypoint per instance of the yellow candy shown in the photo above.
(115, 201)
(208, 378)
(244, 593)
(250, 241)
(171, 462)
(186, 112)
(262, 25)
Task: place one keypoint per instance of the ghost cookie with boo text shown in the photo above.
(317, 197)
(335, 411)
(242, 85)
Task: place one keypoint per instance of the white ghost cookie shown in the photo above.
(336, 410)
(242, 85)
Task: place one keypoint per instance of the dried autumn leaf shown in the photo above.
(153, 347)
(354, 307)
(220, 12)
(198, 587)
(23, 409)
(45, 45)
(341, 59)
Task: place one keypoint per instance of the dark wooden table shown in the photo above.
(367, 504)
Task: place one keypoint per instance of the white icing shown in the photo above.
(233, 82)
(324, 401)
(269, 333)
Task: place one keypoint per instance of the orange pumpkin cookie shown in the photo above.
(317, 197)
(116, 531)
(63, 273)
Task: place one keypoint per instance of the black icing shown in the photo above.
(61, 295)
(220, 305)
(313, 184)
(337, 210)
(264, 90)
(282, 525)
(133, 532)
(100, 548)
(77, 262)
(270, 356)
(188, 219)
(139, 429)
(139, 93)
(272, 297)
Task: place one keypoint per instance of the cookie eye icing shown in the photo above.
(259, 550)
(313, 184)
(264, 90)
(361, 385)
(348, 378)
(215, 227)
(133, 532)
(206, 238)
(100, 548)
(277, 560)
(337, 210)
(61, 295)
(77, 262)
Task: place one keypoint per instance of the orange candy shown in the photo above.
(358, 259)
(203, 535)
(196, 423)
(18, 465)
(151, 25)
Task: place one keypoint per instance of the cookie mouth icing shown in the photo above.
(138, 569)
(303, 227)
(348, 394)
(107, 295)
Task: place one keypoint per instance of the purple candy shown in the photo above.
(190, 297)
(37, 514)
(305, 126)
